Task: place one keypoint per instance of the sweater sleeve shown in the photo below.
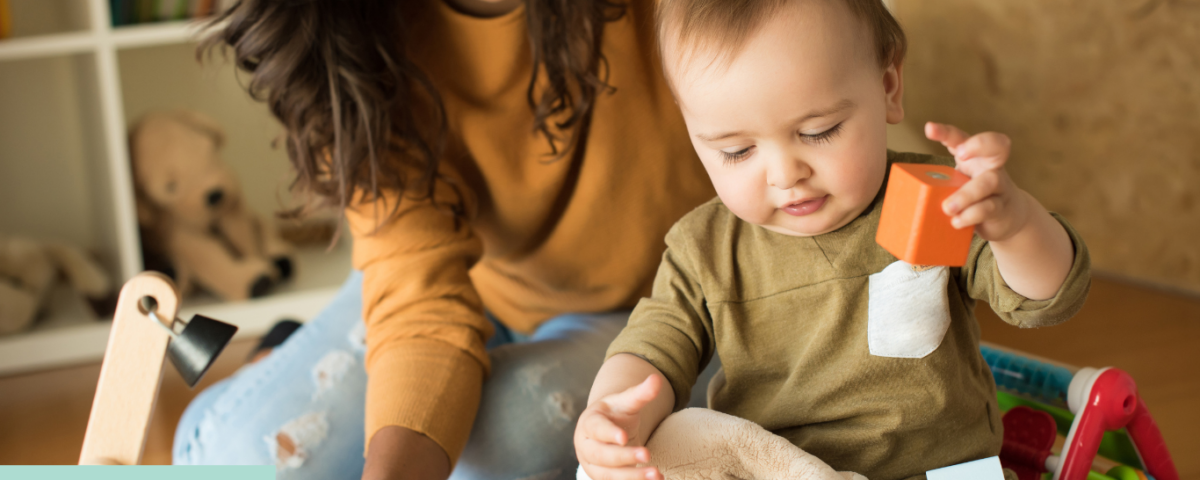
(671, 329)
(982, 281)
(425, 326)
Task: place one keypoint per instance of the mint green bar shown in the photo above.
(136, 472)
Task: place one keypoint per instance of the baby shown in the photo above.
(787, 103)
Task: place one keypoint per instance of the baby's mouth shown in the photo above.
(804, 207)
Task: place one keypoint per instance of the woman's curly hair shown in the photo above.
(361, 118)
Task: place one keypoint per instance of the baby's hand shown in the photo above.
(606, 437)
(990, 200)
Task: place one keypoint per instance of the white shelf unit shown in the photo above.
(70, 86)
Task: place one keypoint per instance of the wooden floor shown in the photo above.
(1153, 335)
(43, 416)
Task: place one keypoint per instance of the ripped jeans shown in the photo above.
(302, 407)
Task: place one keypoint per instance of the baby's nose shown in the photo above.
(786, 173)
(215, 196)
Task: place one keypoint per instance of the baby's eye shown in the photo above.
(733, 157)
(822, 137)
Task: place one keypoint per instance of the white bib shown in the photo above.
(908, 312)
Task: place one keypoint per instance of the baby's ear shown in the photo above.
(893, 89)
(204, 124)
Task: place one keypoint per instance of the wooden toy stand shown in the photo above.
(130, 375)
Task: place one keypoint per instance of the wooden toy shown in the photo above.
(132, 368)
(913, 226)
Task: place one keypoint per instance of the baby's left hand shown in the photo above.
(990, 200)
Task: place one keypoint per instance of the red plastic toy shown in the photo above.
(1102, 400)
(1107, 399)
(1028, 437)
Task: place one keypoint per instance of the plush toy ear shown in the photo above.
(203, 123)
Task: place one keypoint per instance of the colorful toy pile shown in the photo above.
(1106, 424)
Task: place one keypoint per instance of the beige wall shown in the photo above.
(169, 77)
(45, 162)
(1102, 101)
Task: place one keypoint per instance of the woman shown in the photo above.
(523, 159)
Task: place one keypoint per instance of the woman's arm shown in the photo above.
(396, 449)
(425, 332)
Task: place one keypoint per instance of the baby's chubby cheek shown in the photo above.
(742, 198)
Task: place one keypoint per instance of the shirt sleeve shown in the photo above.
(426, 331)
(672, 329)
(982, 281)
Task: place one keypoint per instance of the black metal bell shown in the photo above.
(194, 349)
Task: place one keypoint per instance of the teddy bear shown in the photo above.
(195, 225)
(28, 270)
(703, 444)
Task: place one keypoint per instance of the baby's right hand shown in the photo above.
(607, 442)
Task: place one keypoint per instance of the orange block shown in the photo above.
(912, 226)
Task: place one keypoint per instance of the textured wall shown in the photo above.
(1102, 101)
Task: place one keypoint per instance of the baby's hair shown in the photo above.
(723, 26)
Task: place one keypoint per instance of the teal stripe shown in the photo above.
(137, 472)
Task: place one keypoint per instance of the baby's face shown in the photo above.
(793, 131)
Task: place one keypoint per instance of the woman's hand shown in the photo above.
(990, 202)
(399, 453)
(607, 441)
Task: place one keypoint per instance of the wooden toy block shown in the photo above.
(143, 332)
(912, 225)
(129, 378)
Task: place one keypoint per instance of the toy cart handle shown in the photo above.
(1150, 444)
(1107, 399)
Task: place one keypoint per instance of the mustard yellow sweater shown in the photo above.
(540, 238)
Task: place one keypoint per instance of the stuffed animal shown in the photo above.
(28, 269)
(191, 211)
(703, 444)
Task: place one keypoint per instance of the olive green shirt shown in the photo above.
(788, 317)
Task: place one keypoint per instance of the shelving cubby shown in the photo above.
(70, 87)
